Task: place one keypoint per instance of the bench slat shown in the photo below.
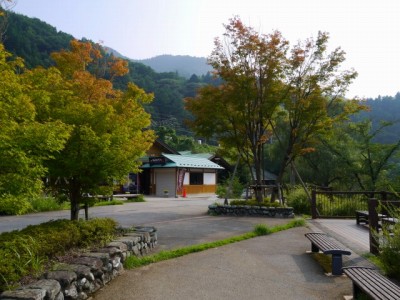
(326, 244)
(373, 283)
(377, 286)
(321, 242)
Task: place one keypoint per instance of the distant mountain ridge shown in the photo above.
(184, 65)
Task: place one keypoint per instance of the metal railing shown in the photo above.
(338, 204)
(385, 208)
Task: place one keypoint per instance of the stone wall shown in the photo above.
(89, 272)
(247, 210)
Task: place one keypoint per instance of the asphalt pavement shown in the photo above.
(276, 266)
(268, 267)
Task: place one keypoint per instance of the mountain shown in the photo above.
(33, 39)
(184, 65)
(114, 52)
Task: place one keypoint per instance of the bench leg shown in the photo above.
(314, 248)
(336, 264)
(357, 292)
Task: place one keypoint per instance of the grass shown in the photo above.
(374, 259)
(139, 198)
(112, 202)
(259, 230)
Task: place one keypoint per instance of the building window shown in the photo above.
(196, 178)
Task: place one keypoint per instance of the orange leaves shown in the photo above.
(307, 150)
(118, 67)
(85, 56)
(84, 66)
(77, 59)
(91, 89)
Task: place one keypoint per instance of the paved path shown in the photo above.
(270, 267)
(154, 210)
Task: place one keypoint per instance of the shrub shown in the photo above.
(389, 255)
(139, 198)
(12, 205)
(266, 203)
(297, 198)
(237, 189)
(338, 207)
(40, 204)
(96, 231)
(26, 251)
(55, 236)
(107, 203)
(262, 229)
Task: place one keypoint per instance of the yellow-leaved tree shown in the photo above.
(108, 126)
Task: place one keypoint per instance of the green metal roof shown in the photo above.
(185, 161)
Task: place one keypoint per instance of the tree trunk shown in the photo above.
(75, 196)
(259, 172)
(279, 179)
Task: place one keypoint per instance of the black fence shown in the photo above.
(336, 204)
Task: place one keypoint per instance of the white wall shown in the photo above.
(209, 178)
(186, 179)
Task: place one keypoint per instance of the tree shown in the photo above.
(239, 112)
(314, 98)
(26, 143)
(108, 126)
(368, 161)
(5, 5)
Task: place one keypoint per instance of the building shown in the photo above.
(166, 172)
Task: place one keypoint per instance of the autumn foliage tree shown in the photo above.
(108, 133)
(314, 89)
(267, 91)
(240, 111)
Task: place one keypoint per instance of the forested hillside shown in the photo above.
(184, 65)
(34, 40)
(383, 109)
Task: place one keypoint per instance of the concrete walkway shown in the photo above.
(269, 267)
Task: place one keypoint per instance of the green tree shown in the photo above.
(108, 126)
(5, 5)
(368, 161)
(239, 112)
(26, 143)
(314, 98)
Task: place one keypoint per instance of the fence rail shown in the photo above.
(337, 204)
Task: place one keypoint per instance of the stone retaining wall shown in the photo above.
(247, 210)
(89, 272)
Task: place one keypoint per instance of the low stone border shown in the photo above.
(87, 273)
(247, 210)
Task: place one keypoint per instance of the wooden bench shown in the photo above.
(321, 242)
(363, 216)
(370, 282)
(390, 221)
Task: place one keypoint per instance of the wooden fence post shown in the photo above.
(314, 204)
(373, 226)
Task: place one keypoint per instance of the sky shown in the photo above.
(367, 30)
